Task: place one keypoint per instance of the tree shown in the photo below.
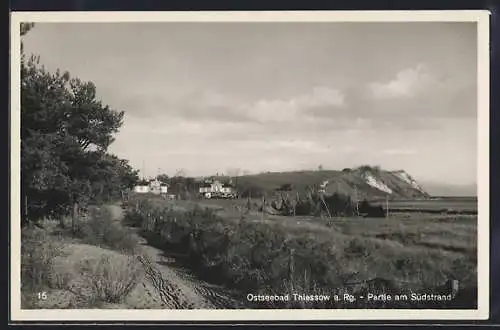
(24, 29)
(285, 187)
(112, 177)
(320, 167)
(163, 178)
(65, 133)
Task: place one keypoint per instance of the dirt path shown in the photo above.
(177, 287)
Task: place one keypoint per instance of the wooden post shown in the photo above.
(74, 218)
(454, 288)
(291, 269)
(26, 208)
(356, 197)
(387, 206)
(263, 206)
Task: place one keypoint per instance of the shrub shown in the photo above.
(106, 281)
(101, 229)
(316, 204)
(38, 250)
(245, 255)
(373, 211)
(257, 257)
(251, 191)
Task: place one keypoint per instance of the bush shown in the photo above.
(100, 229)
(372, 211)
(106, 281)
(251, 191)
(316, 204)
(257, 257)
(38, 251)
(243, 255)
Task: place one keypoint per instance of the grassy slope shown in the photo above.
(349, 183)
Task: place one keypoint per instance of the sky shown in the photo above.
(219, 97)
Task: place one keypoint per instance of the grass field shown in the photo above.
(252, 251)
(457, 204)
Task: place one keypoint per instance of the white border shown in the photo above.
(482, 19)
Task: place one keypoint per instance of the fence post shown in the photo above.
(291, 268)
(74, 218)
(249, 204)
(26, 208)
(263, 207)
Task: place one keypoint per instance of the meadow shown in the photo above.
(256, 252)
(467, 205)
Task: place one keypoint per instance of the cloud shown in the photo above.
(212, 105)
(399, 152)
(421, 93)
(300, 107)
(407, 83)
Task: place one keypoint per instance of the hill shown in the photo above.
(364, 182)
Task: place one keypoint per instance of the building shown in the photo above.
(228, 188)
(217, 189)
(154, 186)
(322, 186)
(141, 189)
(205, 187)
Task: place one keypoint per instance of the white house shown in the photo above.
(216, 189)
(227, 189)
(322, 186)
(155, 187)
(141, 189)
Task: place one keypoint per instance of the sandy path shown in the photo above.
(175, 287)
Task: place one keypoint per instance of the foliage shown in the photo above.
(100, 229)
(369, 168)
(65, 133)
(109, 281)
(163, 178)
(251, 191)
(374, 211)
(285, 187)
(38, 251)
(314, 204)
(182, 185)
(143, 182)
(258, 257)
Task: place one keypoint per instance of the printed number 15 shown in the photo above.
(42, 295)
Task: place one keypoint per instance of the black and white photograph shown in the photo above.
(247, 166)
